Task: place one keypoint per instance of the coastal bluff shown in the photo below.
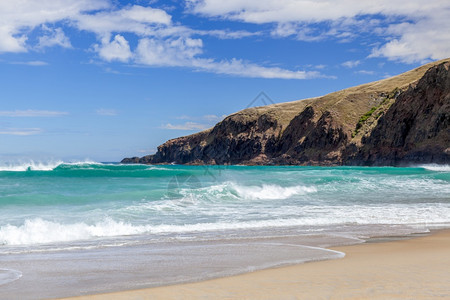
(397, 121)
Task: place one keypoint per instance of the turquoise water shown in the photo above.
(105, 227)
(83, 201)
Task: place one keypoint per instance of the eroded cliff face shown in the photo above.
(415, 129)
(401, 120)
(311, 140)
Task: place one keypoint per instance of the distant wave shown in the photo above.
(436, 167)
(41, 166)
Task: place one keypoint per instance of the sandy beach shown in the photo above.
(417, 268)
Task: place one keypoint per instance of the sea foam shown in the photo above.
(232, 190)
(40, 231)
(436, 167)
(8, 275)
(271, 191)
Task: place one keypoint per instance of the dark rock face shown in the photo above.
(308, 142)
(414, 129)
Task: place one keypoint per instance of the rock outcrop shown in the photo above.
(401, 120)
(416, 128)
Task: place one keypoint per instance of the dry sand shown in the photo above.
(417, 268)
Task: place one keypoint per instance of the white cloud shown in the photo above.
(424, 35)
(208, 118)
(117, 49)
(213, 118)
(303, 32)
(32, 113)
(182, 52)
(285, 29)
(412, 42)
(20, 131)
(351, 63)
(17, 18)
(365, 72)
(55, 37)
(178, 52)
(282, 11)
(186, 126)
(242, 68)
(106, 112)
(160, 42)
(195, 122)
(225, 34)
(34, 63)
(10, 41)
(135, 19)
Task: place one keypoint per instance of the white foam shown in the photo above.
(39, 165)
(39, 231)
(436, 167)
(231, 190)
(158, 168)
(271, 191)
(8, 275)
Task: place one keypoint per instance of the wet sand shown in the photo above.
(417, 268)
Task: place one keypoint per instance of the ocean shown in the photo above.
(70, 229)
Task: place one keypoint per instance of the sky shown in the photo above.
(106, 79)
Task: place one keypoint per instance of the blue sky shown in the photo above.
(105, 79)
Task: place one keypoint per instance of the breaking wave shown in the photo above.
(40, 231)
(436, 167)
(41, 166)
(231, 190)
(271, 191)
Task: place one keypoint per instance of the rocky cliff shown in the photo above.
(401, 120)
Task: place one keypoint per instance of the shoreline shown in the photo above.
(415, 267)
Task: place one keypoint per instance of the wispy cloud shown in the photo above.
(32, 113)
(185, 126)
(106, 112)
(20, 131)
(209, 118)
(351, 63)
(33, 63)
(213, 118)
(195, 122)
(365, 72)
(185, 52)
(320, 67)
(53, 37)
(227, 34)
